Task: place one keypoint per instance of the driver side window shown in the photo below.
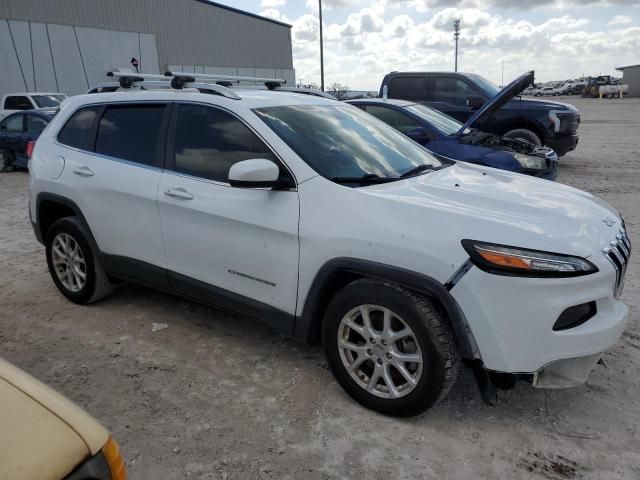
(452, 90)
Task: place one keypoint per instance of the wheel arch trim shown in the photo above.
(308, 324)
(59, 199)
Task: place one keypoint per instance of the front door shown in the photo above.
(224, 244)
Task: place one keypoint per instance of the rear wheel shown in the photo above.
(6, 160)
(73, 263)
(388, 348)
(524, 134)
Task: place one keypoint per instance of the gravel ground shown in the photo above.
(217, 396)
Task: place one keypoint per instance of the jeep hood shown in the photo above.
(500, 99)
(503, 207)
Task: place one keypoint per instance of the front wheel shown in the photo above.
(525, 135)
(388, 348)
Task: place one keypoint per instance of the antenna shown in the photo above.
(456, 36)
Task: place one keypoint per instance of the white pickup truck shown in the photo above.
(16, 102)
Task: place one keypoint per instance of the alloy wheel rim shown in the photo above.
(380, 351)
(68, 262)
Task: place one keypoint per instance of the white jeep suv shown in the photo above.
(319, 220)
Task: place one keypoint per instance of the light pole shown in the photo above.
(456, 35)
(321, 47)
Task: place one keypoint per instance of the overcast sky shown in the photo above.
(364, 39)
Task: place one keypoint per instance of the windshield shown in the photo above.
(444, 123)
(48, 101)
(489, 88)
(342, 141)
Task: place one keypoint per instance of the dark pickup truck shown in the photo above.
(460, 95)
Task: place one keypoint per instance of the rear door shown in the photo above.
(449, 94)
(113, 162)
(231, 246)
(13, 137)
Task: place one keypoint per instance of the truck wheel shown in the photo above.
(6, 161)
(524, 134)
(388, 348)
(73, 264)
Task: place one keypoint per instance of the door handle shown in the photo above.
(180, 193)
(83, 171)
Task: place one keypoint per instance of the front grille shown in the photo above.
(618, 253)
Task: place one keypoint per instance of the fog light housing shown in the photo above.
(575, 316)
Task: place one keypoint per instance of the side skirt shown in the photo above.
(187, 287)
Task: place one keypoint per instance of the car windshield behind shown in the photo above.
(340, 141)
(444, 123)
(488, 87)
(48, 101)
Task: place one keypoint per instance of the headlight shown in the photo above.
(530, 162)
(506, 260)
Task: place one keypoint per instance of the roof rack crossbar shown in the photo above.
(230, 78)
(129, 79)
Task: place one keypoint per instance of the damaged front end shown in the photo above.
(534, 160)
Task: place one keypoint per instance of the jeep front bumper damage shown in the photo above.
(566, 373)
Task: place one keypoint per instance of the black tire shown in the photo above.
(6, 161)
(97, 284)
(524, 134)
(441, 358)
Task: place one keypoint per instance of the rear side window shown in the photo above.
(17, 102)
(209, 141)
(35, 125)
(75, 132)
(452, 90)
(131, 132)
(407, 88)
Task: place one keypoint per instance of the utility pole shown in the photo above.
(456, 35)
(321, 48)
(502, 82)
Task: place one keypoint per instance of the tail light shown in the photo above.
(30, 146)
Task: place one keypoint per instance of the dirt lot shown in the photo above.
(215, 396)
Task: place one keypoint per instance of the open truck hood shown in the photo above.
(500, 99)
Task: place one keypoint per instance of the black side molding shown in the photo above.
(314, 305)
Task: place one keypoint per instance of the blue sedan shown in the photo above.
(446, 137)
(18, 133)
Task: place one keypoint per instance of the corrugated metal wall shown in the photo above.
(188, 32)
(631, 76)
(49, 57)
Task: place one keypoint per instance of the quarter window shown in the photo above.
(35, 125)
(209, 141)
(130, 132)
(390, 116)
(14, 123)
(452, 90)
(17, 102)
(75, 132)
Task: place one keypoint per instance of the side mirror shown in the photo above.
(256, 173)
(475, 102)
(418, 134)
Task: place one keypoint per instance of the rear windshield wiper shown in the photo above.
(417, 170)
(366, 179)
